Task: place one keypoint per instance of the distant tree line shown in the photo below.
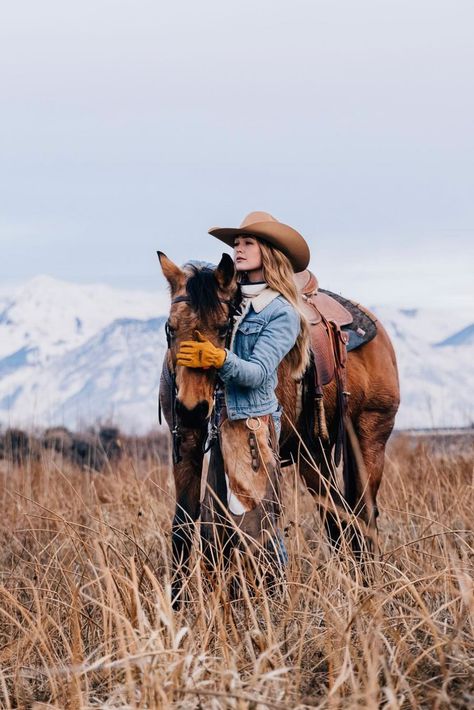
(92, 449)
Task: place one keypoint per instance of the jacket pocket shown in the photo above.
(246, 337)
(250, 327)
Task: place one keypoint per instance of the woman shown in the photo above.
(268, 328)
(270, 325)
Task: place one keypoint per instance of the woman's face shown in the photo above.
(247, 254)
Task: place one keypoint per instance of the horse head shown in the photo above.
(201, 299)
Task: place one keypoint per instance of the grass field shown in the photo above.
(86, 621)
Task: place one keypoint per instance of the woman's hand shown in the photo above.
(200, 353)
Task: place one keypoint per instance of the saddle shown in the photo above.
(326, 317)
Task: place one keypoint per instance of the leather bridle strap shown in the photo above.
(186, 299)
(175, 429)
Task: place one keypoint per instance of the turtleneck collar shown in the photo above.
(249, 290)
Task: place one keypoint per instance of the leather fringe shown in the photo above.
(320, 422)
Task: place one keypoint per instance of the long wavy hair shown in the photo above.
(278, 274)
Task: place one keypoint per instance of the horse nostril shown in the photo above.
(192, 417)
(202, 410)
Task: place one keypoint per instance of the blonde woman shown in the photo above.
(269, 326)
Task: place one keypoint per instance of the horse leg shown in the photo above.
(372, 430)
(366, 441)
(187, 475)
(339, 512)
(319, 479)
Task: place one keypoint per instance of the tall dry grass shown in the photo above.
(86, 619)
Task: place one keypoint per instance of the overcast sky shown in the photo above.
(128, 127)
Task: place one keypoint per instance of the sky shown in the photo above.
(128, 127)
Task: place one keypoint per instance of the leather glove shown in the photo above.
(200, 353)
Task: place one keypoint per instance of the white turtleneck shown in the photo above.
(249, 290)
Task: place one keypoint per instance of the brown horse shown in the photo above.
(201, 298)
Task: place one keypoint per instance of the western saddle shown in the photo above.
(326, 317)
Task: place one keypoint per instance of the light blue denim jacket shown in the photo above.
(263, 337)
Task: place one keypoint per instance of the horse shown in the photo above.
(202, 298)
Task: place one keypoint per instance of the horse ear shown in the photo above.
(172, 273)
(225, 271)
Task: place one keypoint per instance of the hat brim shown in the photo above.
(279, 235)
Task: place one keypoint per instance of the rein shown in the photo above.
(175, 424)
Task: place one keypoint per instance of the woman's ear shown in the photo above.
(172, 273)
(225, 271)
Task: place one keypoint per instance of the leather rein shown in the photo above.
(175, 424)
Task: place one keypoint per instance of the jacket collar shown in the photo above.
(263, 299)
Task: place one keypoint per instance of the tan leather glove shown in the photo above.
(200, 353)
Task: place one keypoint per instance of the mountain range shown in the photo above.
(80, 355)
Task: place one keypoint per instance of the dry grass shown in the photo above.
(86, 622)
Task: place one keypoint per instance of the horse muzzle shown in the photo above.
(195, 417)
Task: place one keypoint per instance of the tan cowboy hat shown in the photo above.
(266, 227)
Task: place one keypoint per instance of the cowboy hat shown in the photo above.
(263, 226)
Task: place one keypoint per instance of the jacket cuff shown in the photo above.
(226, 369)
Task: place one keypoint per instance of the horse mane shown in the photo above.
(202, 290)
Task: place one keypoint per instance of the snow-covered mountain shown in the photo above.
(51, 316)
(76, 355)
(436, 365)
(80, 355)
(112, 377)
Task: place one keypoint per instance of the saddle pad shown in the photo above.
(363, 327)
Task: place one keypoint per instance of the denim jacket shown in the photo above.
(263, 337)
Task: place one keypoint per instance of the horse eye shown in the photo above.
(223, 330)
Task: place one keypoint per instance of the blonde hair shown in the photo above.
(278, 274)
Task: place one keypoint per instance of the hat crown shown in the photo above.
(256, 217)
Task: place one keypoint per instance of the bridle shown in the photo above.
(175, 424)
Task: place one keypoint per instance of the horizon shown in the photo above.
(161, 290)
